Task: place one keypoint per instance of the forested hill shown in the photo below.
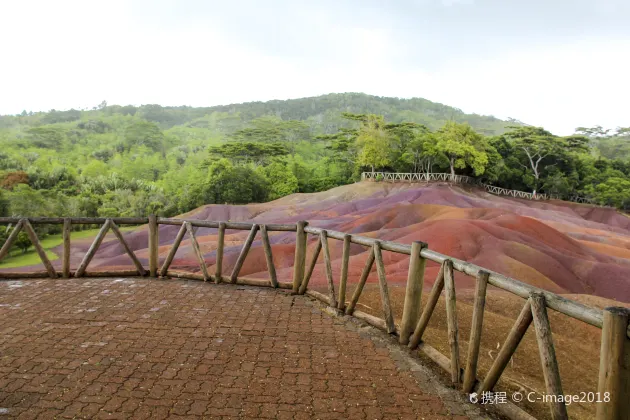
(321, 113)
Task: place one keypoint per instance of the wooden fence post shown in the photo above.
(413, 293)
(273, 278)
(359, 288)
(547, 352)
(153, 245)
(300, 256)
(171, 254)
(197, 249)
(127, 248)
(93, 248)
(241, 257)
(67, 228)
(345, 259)
(451, 320)
(323, 237)
(39, 248)
(12, 237)
(311, 267)
(614, 366)
(382, 283)
(425, 317)
(474, 343)
(220, 246)
(509, 347)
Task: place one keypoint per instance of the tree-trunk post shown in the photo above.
(220, 246)
(345, 259)
(359, 288)
(451, 320)
(300, 256)
(614, 366)
(93, 248)
(506, 352)
(171, 253)
(127, 248)
(200, 258)
(67, 228)
(39, 248)
(244, 251)
(413, 293)
(273, 277)
(153, 245)
(323, 237)
(547, 353)
(427, 312)
(474, 343)
(384, 292)
(311, 267)
(4, 251)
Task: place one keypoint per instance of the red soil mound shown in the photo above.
(562, 247)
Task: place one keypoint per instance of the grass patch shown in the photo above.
(16, 258)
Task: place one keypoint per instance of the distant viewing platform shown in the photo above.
(461, 179)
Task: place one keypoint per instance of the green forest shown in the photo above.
(115, 160)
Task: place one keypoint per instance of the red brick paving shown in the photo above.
(140, 349)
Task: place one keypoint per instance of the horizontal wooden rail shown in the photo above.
(228, 225)
(77, 220)
(143, 220)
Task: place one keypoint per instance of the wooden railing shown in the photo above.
(462, 179)
(614, 366)
(445, 177)
(418, 177)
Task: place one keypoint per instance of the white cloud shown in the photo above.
(559, 87)
(77, 53)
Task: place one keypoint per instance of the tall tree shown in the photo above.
(374, 143)
(274, 130)
(462, 146)
(281, 180)
(612, 144)
(421, 152)
(143, 133)
(537, 148)
(46, 137)
(250, 152)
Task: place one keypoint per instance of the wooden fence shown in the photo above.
(614, 366)
(462, 179)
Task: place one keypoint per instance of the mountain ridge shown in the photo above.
(316, 110)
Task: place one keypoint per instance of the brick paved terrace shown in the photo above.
(139, 348)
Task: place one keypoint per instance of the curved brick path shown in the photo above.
(139, 349)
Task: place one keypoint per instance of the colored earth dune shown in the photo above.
(562, 247)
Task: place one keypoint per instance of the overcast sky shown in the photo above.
(554, 63)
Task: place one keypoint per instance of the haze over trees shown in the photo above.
(132, 161)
